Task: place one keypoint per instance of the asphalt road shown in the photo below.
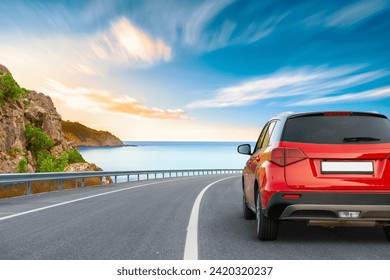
(149, 220)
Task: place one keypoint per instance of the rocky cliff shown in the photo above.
(34, 109)
(33, 138)
(80, 135)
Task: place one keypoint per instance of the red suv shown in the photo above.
(329, 168)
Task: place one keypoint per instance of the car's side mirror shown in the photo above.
(244, 149)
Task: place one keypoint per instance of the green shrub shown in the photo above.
(22, 166)
(61, 162)
(9, 89)
(39, 143)
(37, 139)
(47, 162)
(74, 157)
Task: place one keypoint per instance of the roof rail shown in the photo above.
(284, 114)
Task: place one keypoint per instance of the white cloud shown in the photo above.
(378, 93)
(97, 100)
(355, 13)
(306, 82)
(84, 69)
(128, 44)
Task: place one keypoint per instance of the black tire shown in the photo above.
(248, 213)
(386, 230)
(266, 228)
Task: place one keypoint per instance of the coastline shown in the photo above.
(106, 146)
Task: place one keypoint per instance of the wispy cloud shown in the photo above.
(345, 17)
(308, 82)
(84, 69)
(91, 99)
(205, 31)
(128, 44)
(378, 93)
(355, 13)
(201, 17)
(203, 26)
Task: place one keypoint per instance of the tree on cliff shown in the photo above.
(39, 144)
(9, 89)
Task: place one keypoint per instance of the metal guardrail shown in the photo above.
(28, 178)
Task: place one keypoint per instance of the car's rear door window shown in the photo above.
(265, 135)
(268, 134)
(343, 129)
(261, 137)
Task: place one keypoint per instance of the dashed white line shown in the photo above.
(191, 246)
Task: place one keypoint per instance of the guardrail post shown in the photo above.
(155, 175)
(29, 187)
(115, 179)
(128, 178)
(147, 176)
(101, 180)
(82, 182)
(77, 183)
(138, 176)
(60, 185)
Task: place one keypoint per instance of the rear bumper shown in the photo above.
(325, 206)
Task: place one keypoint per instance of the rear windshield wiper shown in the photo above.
(361, 139)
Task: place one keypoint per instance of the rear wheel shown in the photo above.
(386, 229)
(248, 213)
(266, 228)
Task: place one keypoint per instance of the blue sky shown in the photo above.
(198, 70)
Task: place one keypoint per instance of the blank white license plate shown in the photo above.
(347, 167)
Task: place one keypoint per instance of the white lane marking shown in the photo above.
(83, 198)
(191, 246)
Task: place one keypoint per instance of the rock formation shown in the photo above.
(37, 110)
(83, 167)
(40, 112)
(80, 135)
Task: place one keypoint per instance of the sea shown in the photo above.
(135, 156)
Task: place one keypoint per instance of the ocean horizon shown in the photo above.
(165, 155)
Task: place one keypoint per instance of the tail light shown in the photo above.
(287, 156)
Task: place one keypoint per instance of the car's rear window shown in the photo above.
(347, 129)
